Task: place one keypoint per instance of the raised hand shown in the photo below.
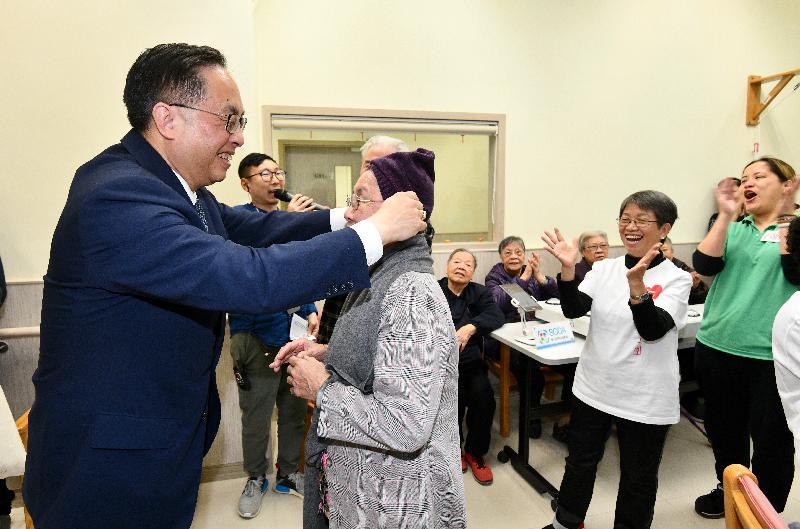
(561, 249)
(300, 203)
(728, 200)
(787, 195)
(636, 274)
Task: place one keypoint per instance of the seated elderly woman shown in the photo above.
(383, 447)
(593, 246)
(512, 269)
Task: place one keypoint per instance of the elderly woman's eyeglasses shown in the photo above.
(354, 200)
(233, 122)
(268, 175)
(595, 247)
(642, 223)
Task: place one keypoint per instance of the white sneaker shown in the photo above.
(253, 493)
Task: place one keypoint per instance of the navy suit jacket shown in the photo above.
(132, 327)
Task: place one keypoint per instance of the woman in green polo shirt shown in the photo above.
(734, 350)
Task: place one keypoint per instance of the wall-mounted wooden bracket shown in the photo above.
(754, 105)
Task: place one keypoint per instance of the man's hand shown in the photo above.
(313, 324)
(399, 218)
(464, 334)
(696, 279)
(306, 375)
(295, 347)
(300, 203)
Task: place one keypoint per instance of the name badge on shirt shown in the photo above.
(771, 236)
(552, 334)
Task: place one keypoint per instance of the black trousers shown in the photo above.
(742, 401)
(640, 449)
(6, 497)
(476, 402)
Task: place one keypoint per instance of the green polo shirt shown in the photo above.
(746, 294)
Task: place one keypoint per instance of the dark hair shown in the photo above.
(793, 240)
(781, 169)
(168, 73)
(511, 239)
(458, 250)
(661, 205)
(254, 159)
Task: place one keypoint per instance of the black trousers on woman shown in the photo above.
(476, 401)
(640, 449)
(742, 401)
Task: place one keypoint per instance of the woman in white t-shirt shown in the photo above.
(628, 371)
(786, 339)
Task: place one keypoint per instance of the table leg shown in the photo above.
(505, 383)
(519, 460)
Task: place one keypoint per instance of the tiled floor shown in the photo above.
(510, 503)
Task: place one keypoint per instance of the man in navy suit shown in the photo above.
(143, 265)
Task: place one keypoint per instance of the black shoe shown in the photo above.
(535, 429)
(711, 505)
(561, 433)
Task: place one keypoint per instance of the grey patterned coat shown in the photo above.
(394, 450)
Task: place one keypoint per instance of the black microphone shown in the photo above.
(282, 194)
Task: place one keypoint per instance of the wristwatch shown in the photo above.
(641, 297)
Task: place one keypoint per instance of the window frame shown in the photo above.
(496, 150)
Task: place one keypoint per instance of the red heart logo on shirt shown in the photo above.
(655, 290)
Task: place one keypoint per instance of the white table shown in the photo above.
(556, 355)
(551, 312)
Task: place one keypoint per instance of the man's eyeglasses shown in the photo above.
(267, 175)
(595, 247)
(354, 200)
(642, 223)
(233, 122)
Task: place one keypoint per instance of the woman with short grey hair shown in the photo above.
(593, 246)
(628, 371)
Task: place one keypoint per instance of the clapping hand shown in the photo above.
(787, 194)
(728, 200)
(563, 250)
(636, 274)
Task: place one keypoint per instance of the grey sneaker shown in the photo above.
(253, 493)
(291, 484)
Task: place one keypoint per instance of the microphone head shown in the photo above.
(281, 194)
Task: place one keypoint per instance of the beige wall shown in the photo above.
(602, 97)
(63, 68)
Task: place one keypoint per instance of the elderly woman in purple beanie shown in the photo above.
(383, 447)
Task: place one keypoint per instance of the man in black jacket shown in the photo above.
(475, 315)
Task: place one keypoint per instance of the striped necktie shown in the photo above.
(202, 212)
